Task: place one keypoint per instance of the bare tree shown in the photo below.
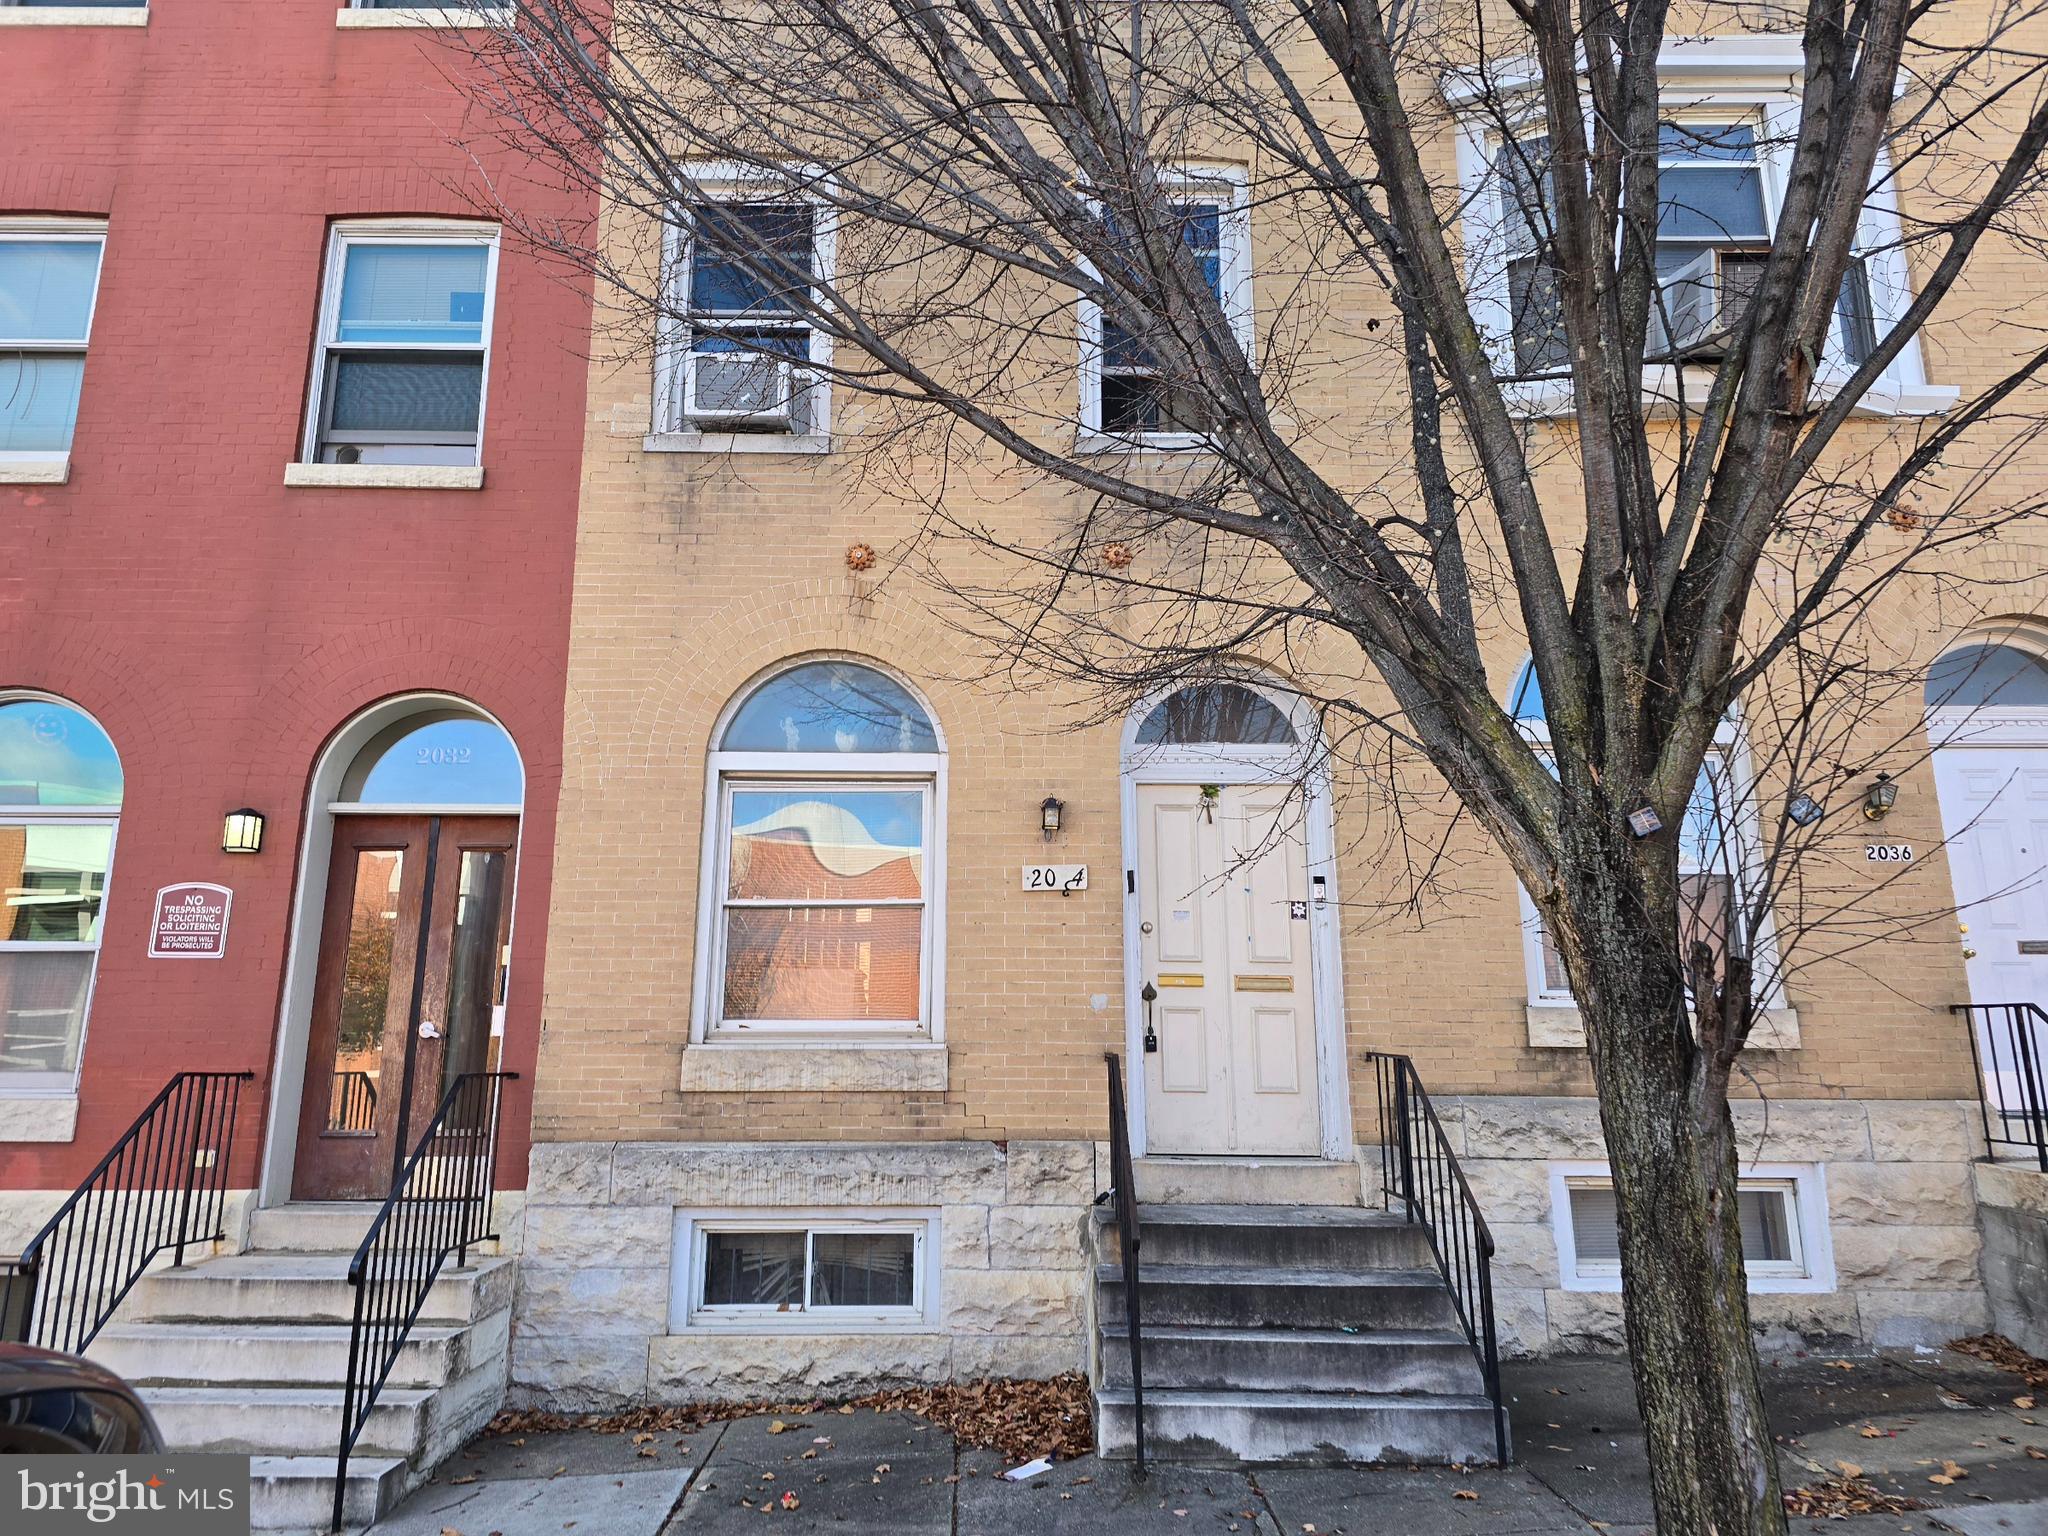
(1507, 400)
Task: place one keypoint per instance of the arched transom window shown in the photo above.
(825, 882)
(60, 801)
(1217, 714)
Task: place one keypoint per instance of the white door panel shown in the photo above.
(1224, 942)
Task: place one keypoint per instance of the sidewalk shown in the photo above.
(1900, 1418)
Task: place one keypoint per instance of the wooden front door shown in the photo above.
(410, 989)
(1230, 1062)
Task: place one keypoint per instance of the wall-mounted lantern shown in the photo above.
(1879, 799)
(242, 832)
(1804, 810)
(1050, 810)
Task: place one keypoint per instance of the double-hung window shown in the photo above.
(405, 333)
(1128, 391)
(60, 800)
(742, 355)
(1719, 170)
(49, 281)
(822, 885)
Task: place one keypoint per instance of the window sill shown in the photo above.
(387, 477)
(1553, 397)
(74, 16)
(1558, 1027)
(1088, 441)
(38, 1116)
(814, 1066)
(736, 442)
(35, 471)
(452, 17)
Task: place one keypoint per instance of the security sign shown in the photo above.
(191, 922)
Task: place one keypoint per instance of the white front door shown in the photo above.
(1994, 810)
(1224, 943)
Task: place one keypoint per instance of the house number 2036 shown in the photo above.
(1888, 853)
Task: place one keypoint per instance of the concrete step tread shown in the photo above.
(360, 1468)
(1115, 1333)
(1258, 1216)
(146, 1330)
(1267, 1275)
(238, 1396)
(300, 1266)
(1338, 1402)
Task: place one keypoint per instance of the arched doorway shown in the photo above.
(1230, 927)
(1987, 715)
(403, 940)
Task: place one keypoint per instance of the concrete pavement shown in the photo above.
(1899, 1417)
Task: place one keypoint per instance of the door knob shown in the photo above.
(429, 1030)
(1144, 927)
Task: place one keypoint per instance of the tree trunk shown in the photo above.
(1671, 1147)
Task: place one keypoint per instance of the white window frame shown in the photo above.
(688, 1312)
(1810, 1271)
(725, 771)
(723, 182)
(1728, 80)
(68, 232)
(343, 236)
(1229, 186)
(1733, 752)
(62, 1084)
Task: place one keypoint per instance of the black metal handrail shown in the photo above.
(440, 1203)
(161, 1187)
(1418, 1166)
(1122, 1198)
(2009, 1048)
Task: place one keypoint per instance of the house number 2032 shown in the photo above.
(442, 757)
(1888, 853)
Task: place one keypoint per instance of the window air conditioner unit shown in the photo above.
(750, 387)
(1702, 303)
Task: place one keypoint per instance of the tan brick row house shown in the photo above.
(820, 1099)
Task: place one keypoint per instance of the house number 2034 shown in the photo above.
(1888, 853)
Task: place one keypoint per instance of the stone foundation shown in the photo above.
(1902, 1218)
(2012, 1211)
(592, 1320)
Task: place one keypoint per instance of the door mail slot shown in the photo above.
(1265, 983)
(1168, 979)
(2034, 946)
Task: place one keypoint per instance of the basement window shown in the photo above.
(1783, 1212)
(781, 1271)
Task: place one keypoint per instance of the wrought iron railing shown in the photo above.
(440, 1203)
(1122, 1199)
(352, 1102)
(1418, 1167)
(2009, 1045)
(162, 1188)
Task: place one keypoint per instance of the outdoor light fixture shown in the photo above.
(1049, 813)
(1879, 799)
(1804, 810)
(242, 832)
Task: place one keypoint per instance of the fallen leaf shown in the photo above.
(810, 1455)
(1945, 1482)
(643, 1437)
(881, 1467)
(848, 1407)
(1870, 1432)
(467, 1477)
(2036, 1453)
(789, 1501)
(650, 1450)
(1466, 1493)
(1183, 1514)
(778, 1427)
(1848, 1469)
(2023, 1402)
(1952, 1469)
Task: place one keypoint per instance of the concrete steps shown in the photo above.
(1215, 1181)
(1285, 1335)
(249, 1353)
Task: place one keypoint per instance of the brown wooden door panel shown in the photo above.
(356, 1112)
